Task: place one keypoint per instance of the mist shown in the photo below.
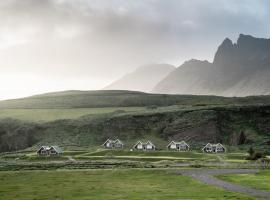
(53, 45)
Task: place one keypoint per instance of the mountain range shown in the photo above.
(238, 69)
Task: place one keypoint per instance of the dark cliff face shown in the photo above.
(224, 54)
(238, 69)
(247, 54)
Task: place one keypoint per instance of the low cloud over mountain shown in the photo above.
(142, 79)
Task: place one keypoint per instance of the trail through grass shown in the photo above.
(260, 180)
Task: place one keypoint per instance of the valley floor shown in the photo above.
(97, 174)
(131, 184)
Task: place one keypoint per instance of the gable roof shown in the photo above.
(57, 149)
(218, 144)
(149, 142)
(172, 142)
(208, 144)
(213, 145)
(183, 142)
(43, 147)
(180, 143)
(118, 141)
(113, 142)
(108, 140)
(139, 142)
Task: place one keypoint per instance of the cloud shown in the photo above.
(104, 39)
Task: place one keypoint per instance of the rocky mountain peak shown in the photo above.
(224, 53)
(238, 69)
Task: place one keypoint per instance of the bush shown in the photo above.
(250, 151)
(152, 107)
(256, 156)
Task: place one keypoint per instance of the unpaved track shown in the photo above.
(207, 176)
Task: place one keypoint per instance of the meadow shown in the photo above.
(46, 115)
(122, 184)
(155, 158)
(260, 180)
(165, 155)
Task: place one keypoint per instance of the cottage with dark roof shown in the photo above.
(178, 146)
(55, 151)
(144, 146)
(113, 144)
(49, 151)
(214, 148)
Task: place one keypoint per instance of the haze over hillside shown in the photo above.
(142, 79)
(239, 69)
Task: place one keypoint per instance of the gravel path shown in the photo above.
(207, 176)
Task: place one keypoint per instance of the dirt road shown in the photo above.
(207, 176)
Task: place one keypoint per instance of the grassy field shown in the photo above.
(145, 153)
(124, 155)
(167, 155)
(260, 180)
(116, 98)
(106, 184)
(44, 115)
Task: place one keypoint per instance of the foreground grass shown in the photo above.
(260, 180)
(106, 184)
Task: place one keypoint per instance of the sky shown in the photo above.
(54, 45)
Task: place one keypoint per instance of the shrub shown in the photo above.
(256, 155)
(250, 151)
(152, 107)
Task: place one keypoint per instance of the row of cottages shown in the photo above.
(173, 145)
(113, 144)
(49, 151)
(214, 148)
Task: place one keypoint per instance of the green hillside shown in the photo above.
(234, 126)
(111, 98)
(51, 114)
(77, 119)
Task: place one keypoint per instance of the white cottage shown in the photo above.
(43, 151)
(113, 144)
(147, 146)
(178, 146)
(214, 148)
(49, 151)
(55, 151)
(219, 148)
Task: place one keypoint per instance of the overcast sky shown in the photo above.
(52, 45)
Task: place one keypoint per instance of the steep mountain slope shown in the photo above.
(192, 77)
(239, 69)
(142, 79)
